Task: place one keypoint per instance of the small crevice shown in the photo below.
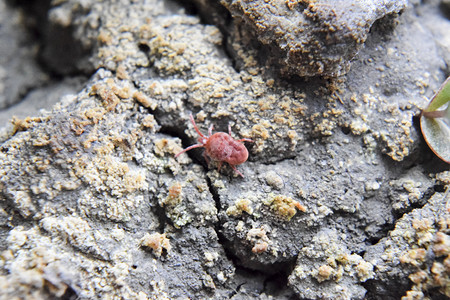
(439, 188)
(389, 290)
(69, 293)
(278, 160)
(218, 225)
(144, 48)
(189, 7)
(382, 233)
(194, 154)
(444, 8)
(17, 218)
(234, 292)
(277, 284)
(214, 194)
(345, 130)
(174, 132)
(388, 227)
(416, 205)
(435, 293)
(160, 213)
(252, 283)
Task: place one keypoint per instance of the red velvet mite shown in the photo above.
(220, 147)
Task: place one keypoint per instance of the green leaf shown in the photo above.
(441, 97)
(436, 132)
(435, 124)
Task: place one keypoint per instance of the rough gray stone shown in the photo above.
(415, 252)
(69, 37)
(93, 203)
(19, 71)
(328, 270)
(311, 38)
(38, 98)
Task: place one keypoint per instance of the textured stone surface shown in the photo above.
(93, 189)
(19, 70)
(38, 98)
(417, 251)
(311, 38)
(93, 203)
(328, 270)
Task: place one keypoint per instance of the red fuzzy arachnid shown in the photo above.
(221, 147)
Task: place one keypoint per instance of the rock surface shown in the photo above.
(19, 70)
(311, 38)
(341, 197)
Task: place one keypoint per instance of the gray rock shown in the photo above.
(94, 204)
(311, 38)
(42, 97)
(19, 71)
(328, 270)
(68, 34)
(414, 253)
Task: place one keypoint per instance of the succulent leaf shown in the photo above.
(435, 125)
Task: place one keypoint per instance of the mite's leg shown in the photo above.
(236, 170)
(189, 148)
(195, 126)
(246, 140)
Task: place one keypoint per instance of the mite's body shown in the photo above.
(221, 147)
